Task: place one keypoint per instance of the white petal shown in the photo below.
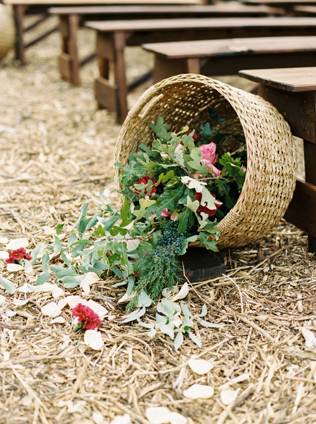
(90, 278)
(168, 292)
(49, 231)
(57, 292)
(182, 293)
(24, 289)
(240, 378)
(62, 303)
(4, 255)
(93, 339)
(4, 240)
(58, 320)
(158, 415)
(200, 366)
(2, 300)
(17, 243)
(51, 309)
(98, 309)
(228, 396)
(28, 268)
(123, 298)
(199, 391)
(14, 267)
(176, 418)
(74, 300)
(310, 339)
(19, 302)
(122, 419)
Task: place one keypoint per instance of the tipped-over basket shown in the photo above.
(7, 29)
(271, 160)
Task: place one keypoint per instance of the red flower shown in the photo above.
(17, 255)
(144, 180)
(210, 212)
(86, 314)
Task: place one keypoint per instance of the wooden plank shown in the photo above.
(75, 2)
(302, 209)
(293, 79)
(233, 9)
(236, 46)
(298, 110)
(305, 10)
(203, 23)
(64, 62)
(106, 94)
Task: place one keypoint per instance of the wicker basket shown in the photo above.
(7, 30)
(271, 160)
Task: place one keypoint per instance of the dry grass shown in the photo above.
(58, 151)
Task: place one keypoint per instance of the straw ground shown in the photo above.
(56, 151)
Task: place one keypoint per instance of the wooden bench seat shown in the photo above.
(293, 92)
(71, 18)
(228, 56)
(304, 10)
(22, 7)
(113, 36)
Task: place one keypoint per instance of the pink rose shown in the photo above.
(213, 170)
(209, 152)
(165, 213)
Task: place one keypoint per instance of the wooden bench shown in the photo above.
(304, 10)
(71, 18)
(287, 5)
(293, 92)
(113, 36)
(229, 56)
(40, 7)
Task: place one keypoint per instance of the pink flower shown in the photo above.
(90, 319)
(209, 152)
(17, 255)
(165, 213)
(213, 170)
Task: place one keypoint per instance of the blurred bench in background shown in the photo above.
(113, 36)
(71, 18)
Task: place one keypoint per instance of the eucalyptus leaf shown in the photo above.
(7, 284)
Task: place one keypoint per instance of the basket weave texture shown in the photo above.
(7, 29)
(271, 158)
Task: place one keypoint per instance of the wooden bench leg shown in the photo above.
(19, 44)
(120, 75)
(69, 63)
(310, 177)
(193, 66)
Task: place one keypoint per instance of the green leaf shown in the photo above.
(183, 219)
(42, 278)
(187, 322)
(134, 315)
(57, 245)
(144, 300)
(35, 253)
(66, 260)
(178, 340)
(213, 114)
(83, 213)
(196, 164)
(114, 258)
(168, 200)
(195, 339)
(7, 284)
(108, 224)
(63, 272)
(208, 324)
(82, 241)
(162, 131)
(144, 205)
(59, 229)
(185, 310)
(125, 212)
(72, 238)
(45, 261)
(210, 245)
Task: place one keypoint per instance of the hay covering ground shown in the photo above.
(56, 151)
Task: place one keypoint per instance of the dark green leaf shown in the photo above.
(59, 229)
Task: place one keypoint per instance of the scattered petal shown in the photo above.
(19, 302)
(93, 339)
(161, 415)
(14, 267)
(24, 289)
(62, 303)
(4, 240)
(10, 313)
(90, 278)
(228, 396)
(58, 320)
(57, 291)
(122, 419)
(310, 339)
(182, 293)
(74, 300)
(168, 292)
(199, 391)
(98, 309)
(4, 255)
(200, 366)
(51, 309)
(17, 243)
(2, 300)
(49, 231)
